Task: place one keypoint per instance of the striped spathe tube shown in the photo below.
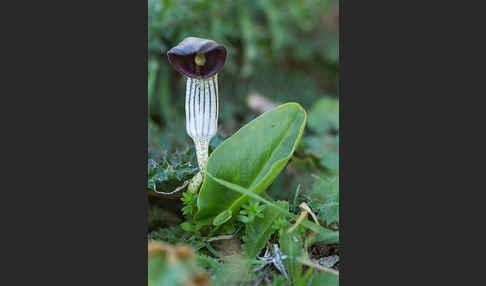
(202, 114)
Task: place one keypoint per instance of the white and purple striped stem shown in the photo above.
(202, 115)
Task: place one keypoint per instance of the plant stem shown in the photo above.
(202, 150)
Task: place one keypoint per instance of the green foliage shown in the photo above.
(325, 148)
(153, 67)
(170, 235)
(263, 147)
(189, 201)
(210, 264)
(171, 171)
(251, 210)
(324, 115)
(222, 217)
(266, 29)
(292, 245)
(325, 235)
(281, 224)
(301, 280)
(325, 279)
(323, 145)
(261, 216)
(287, 51)
(325, 200)
(187, 226)
(236, 271)
(259, 230)
(279, 280)
(297, 38)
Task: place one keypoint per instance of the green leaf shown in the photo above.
(291, 244)
(302, 280)
(252, 158)
(325, 149)
(167, 172)
(187, 226)
(189, 203)
(325, 199)
(324, 115)
(208, 262)
(258, 232)
(222, 217)
(325, 279)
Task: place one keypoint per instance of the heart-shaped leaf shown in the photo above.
(251, 158)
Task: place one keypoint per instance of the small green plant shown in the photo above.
(189, 200)
(224, 189)
(200, 60)
(233, 198)
(258, 231)
(251, 210)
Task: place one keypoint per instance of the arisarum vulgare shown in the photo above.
(197, 58)
(200, 60)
